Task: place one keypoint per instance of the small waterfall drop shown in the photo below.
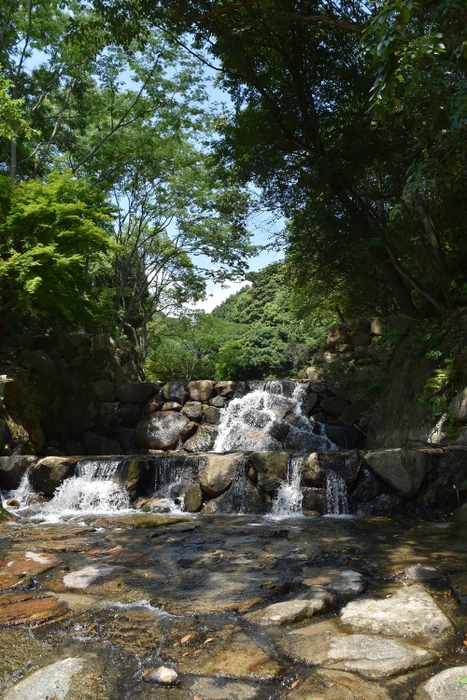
(288, 502)
(93, 490)
(267, 419)
(19, 497)
(337, 502)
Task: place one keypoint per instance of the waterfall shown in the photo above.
(19, 497)
(337, 502)
(288, 502)
(267, 419)
(173, 477)
(93, 490)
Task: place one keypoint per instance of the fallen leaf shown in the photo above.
(185, 639)
(210, 639)
(406, 583)
(465, 642)
(399, 573)
(145, 574)
(388, 595)
(90, 628)
(186, 653)
(259, 663)
(198, 651)
(294, 684)
(447, 594)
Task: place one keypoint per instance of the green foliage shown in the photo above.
(12, 121)
(55, 239)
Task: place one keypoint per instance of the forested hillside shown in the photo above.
(348, 121)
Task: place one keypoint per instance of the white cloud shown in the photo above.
(217, 294)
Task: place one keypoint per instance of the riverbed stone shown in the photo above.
(53, 681)
(32, 609)
(86, 576)
(201, 390)
(219, 689)
(401, 468)
(344, 583)
(203, 440)
(337, 685)
(160, 430)
(28, 563)
(49, 473)
(219, 472)
(163, 675)
(422, 572)
(12, 470)
(459, 586)
(445, 685)
(409, 612)
(288, 611)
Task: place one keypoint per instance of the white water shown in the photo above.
(288, 502)
(337, 502)
(20, 495)
(92, 491)
(265, 419)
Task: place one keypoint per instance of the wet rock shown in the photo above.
(422, 573)
(401, 468)
(136, 392)
(32, 609)
(28, 563)
(174, 391)
(53, 681)
(271, 468)
(49, 473)
(203, 440)
(219, 472)
(344, 583)
(160, 430)
(218, 689)
(314, 499)
(459, 587)
(86, 576)
(444, 686)
(338, 685)
(193, 499)
(312, 474)
(164, 675)
(212, 415)
(345, 464)
(201, 390)
(410, 612)
(368, 487)
(193, 410)
(289, 611)
(12, 470)
(309, 403)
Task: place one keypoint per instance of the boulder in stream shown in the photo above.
(49, 473)
(401, 468)
(219, 472)
(160, 430)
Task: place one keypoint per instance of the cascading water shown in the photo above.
(288, 502)
(267, 419)
(337, 502)
(93, 490)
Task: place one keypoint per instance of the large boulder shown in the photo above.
(401, 468)
(203, 440)
(48, 473)
(174, 391)
(219, 472)
(160, 431)
(193, 499)
(201, 390)
(271, 468)
(12, 470)
(136, 392)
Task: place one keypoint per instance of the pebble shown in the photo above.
(163, 675)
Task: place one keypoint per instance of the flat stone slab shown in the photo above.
(422, 573)
(86, 576)
(290, 611)
(409, 612)
(50, 682)
(370, 656)
(345, 583)
(445, 686)
(30, 609)
(337, 685)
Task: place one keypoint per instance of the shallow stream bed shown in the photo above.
(243, 608)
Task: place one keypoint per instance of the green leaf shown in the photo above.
(463, 680)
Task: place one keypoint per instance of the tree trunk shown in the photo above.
(401, 293)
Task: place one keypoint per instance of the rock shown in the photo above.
(318, 600)
(314, 499)
(337, 685)
(344, 583)
(410, 612)
(445, 685)
(12, 469)
(104, 390)
(94, 444)
(154, 404)
(458, 406)
(226, 389)
(218, 402)
(130, 413)
(160, 430)
(309, 403)
(3, 432)
(368, 486)
(193, 499)
(422, 573)
(212, 415)
(219, 472)
(164, 675)
(32, 609)
(49, 473)
(201, 390)
(86, 576)
(459, 587)
(360, 338)
(460, 514)
(218, 689)
(53, 681)
(333, 406)
(312, 474)
(271, 468)
(347, 465)
(338, 335)
(171, 406)
(174, 391)
(193, 410)
(401, 468)
(203, 440)
(136, 392)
